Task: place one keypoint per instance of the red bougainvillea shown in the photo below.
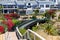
(11, 15)
(8, 17)
(1, 29)
(10, 24)
(51, 12)
(15, 15)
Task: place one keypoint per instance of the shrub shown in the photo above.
(59, 16)
(50, 13)
(11, 15)
(1, 29)
(33, 17)
(22, 31)
(9, 23)
(49, 28)
(8, 17)
(35, 28)
(2, 17)
(36, 12)
(5, 27)
(14, 15)
(16, 22)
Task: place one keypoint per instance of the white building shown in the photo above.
(22, 6)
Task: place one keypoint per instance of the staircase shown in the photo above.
(8, 36)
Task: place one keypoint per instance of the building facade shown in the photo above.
(27, 6)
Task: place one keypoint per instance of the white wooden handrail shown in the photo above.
(40, 37)
(18, 31)
(36, 34)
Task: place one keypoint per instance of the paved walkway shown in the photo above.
(8, 36)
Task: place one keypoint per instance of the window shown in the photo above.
(29, 4)
(51, 6)
(42, 6)
(54, 0)
(47, 6)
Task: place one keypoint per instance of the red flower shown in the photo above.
(1, 29)
(51, 12)
(14, 15)
(10, 24)
(8, 17)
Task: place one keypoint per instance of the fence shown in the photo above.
(29, 35)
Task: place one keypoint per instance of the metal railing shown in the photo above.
(28, 24)
(29, 35)
(24, 23)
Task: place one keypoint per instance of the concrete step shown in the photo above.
(8, 36)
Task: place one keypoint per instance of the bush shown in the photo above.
(50, 13)
(2, 17)
(1, 29)
(16, 22)
(59, 16)
(11, 15)
(49, 28)
(14, 15)
(9, 24)
(22, 31)
(36, 12)
(33, 17)
(35, 28)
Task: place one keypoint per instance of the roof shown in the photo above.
(32, 2)
(46, 2)
(7, 3)
(25, 2)
(20, 2)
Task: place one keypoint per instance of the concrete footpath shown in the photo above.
(8, 36)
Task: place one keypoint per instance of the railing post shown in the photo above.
(34, 37)
(28, 35)
(24, 36)
(37, 23)
(18, 34)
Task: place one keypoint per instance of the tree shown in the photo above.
(1, 8)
